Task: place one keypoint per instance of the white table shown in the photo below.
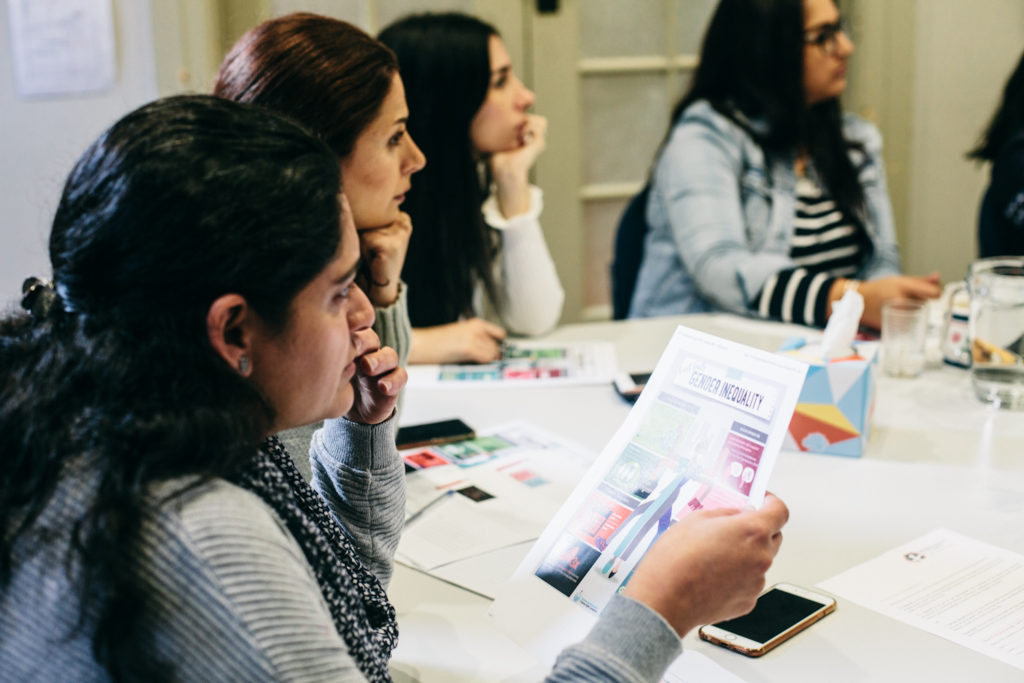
(936, 457)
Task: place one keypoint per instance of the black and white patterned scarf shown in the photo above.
(359, 606)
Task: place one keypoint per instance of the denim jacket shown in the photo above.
(721, 213)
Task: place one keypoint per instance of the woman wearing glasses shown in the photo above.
(765, 199)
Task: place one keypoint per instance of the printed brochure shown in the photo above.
(705, 433)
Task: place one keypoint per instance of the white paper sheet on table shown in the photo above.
(527, 363)
(528, 475)
(705, 433)
(948, 584)
(693, 667)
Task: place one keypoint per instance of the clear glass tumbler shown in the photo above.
(904, 331)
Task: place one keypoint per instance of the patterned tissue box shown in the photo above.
(834, 411)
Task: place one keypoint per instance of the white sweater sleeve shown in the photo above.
(531, 293)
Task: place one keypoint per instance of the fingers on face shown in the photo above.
(392, 383)
(365, 341)
(379, 361)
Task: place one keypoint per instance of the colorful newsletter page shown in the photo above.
(526, 363)
(704, 433)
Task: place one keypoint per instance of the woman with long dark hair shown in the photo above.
(1001, 220)
(204, 298)
(477, 264)
(765, 198)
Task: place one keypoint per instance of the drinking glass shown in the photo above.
(904, 331)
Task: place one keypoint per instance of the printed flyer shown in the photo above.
(527, 362)
(705, 433)
(498, 489)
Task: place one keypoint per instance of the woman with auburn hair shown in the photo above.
(478, 265)
(151, 527)
(344, 86)
(766, 199)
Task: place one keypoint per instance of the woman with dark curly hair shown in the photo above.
(203, 298)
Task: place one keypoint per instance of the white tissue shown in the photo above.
(837, 339)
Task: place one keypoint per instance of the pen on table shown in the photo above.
(429, 505)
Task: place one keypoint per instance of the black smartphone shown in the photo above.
(433, 433)
(780, 613)
(629, 385)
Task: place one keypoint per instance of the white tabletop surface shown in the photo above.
(936, 458)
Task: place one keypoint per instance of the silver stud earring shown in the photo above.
(243, 364)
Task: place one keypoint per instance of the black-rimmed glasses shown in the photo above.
(827, 36)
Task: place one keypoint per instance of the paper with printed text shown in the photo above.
(705, 433)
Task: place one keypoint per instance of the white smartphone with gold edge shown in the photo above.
(781, 612)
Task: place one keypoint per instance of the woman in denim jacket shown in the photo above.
(766, 199)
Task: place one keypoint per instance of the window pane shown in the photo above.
(624, 119)
(680, 81)
(615, 28)
(692, 18)
(601, 217)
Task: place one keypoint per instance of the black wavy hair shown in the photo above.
(1007, 120)
(751, 68)
(178, 203)
(446, 70)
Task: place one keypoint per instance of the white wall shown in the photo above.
(965, 51)
(40, 139)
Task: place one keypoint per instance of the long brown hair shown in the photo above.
(325, 73)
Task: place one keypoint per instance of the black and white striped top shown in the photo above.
(826, 245)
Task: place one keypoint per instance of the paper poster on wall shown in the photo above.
(61, 47)
(704, 434)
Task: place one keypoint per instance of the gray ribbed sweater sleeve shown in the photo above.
(391, 323)
(232, 595)
(630, 643)
(356, 468)
(235, 598)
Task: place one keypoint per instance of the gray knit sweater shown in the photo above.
(235, 598)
